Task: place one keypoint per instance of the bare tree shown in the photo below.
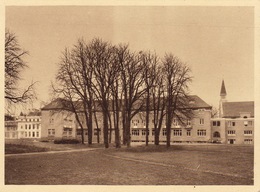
(158, 103)
(75, 80)
(116, 108)
(133, 90)
(149, 62)
(177, 78)
(14, 64)
(105, 71)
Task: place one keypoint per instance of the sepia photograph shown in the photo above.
(129, 95)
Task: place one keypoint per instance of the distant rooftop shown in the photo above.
(234, 109)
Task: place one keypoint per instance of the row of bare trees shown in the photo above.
(122, 83)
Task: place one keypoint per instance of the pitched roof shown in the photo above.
(34, 113)
(233, 109)
(223, 89)
(195, 102)
(57, 104)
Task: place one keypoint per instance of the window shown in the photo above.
(25, 134)
(67, 131)
(29, 126)
(37, 134)
(153, 132)
(231, 141)
(135, 132)
(231, 132)
(248, 141)
(96, 131)
(188, 133)
(33, 126)
(33, 134)
(231, 123)
(201, 132)
(177, 132)
(164, 133)
(201, 121)
(29, 134)
(51, 121)
(250, 123)
(25, 126)
(248, 132)
(21, 127)
(79, 132)
(51, 132)
(216, 123)
(188, 123)
(175, 123)
(216, 134)
(144, 132)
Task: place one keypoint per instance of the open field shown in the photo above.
(27, 146)
(152, 165)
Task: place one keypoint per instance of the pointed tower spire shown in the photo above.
(223, 94)
(223, 89)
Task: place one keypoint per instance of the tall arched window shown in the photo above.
(216, 134)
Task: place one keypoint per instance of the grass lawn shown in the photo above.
(18, 148)
(152, 165)
(29, 146)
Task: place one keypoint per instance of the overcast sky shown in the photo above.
(216, 42)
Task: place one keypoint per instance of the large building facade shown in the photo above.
(58, 123)
(235, 124)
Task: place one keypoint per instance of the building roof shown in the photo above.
(34, 113)
(234, 109)
(57, 104)
(223, 91)
(195, 102)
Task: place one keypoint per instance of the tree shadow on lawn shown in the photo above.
(200, 148)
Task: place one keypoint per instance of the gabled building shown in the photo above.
(57, 122)
(235, 124)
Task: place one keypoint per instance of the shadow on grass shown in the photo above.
(150, 148)
(18, 148)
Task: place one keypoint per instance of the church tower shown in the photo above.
(223, 95)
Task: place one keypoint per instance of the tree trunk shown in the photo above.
(128, 130)
(147, 118)
(96, 121)
(156, 136)
(105, 129)
(90, 127)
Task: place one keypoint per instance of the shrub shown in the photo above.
(45, 141)
(66, 141)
